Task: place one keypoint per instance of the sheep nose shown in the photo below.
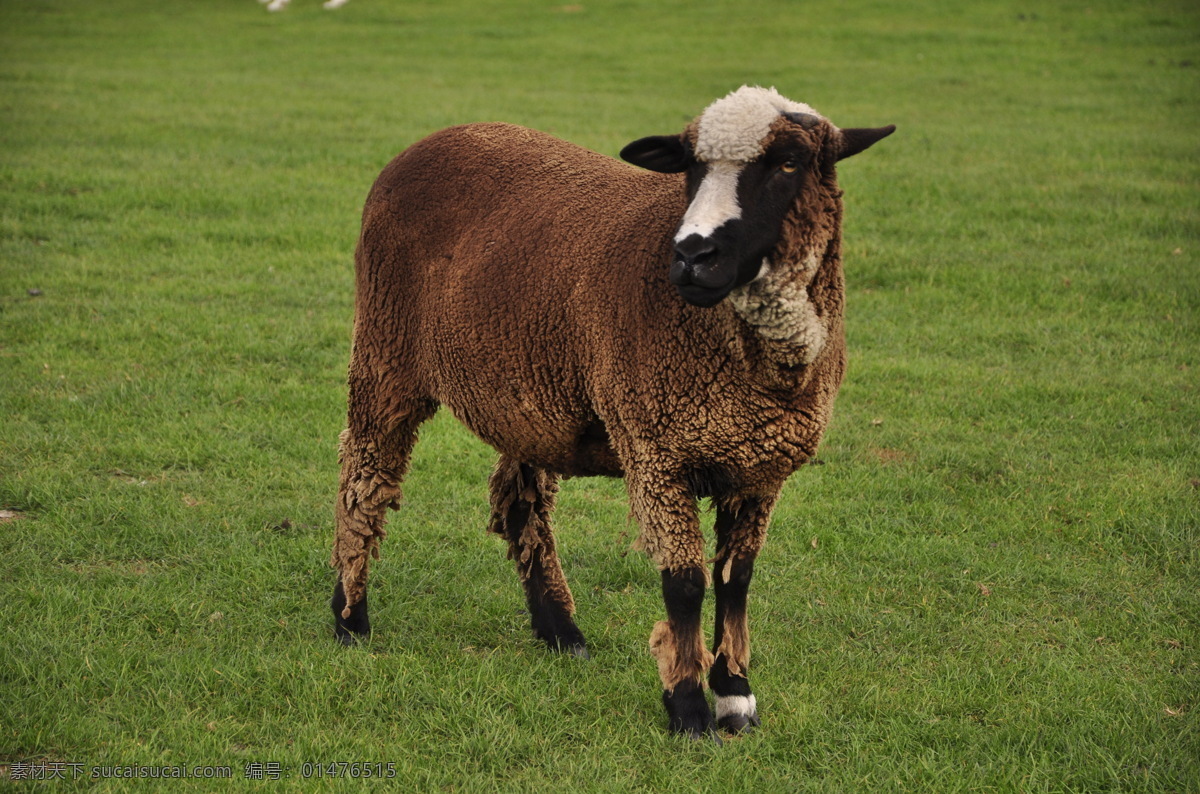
(694, 263)
(694, 249)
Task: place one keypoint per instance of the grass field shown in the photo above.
(992, 583)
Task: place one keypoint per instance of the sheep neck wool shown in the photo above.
(778, 307)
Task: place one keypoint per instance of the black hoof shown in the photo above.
(557, 629)
(354, 628)
(579, 651)
(739, 723)
(688, 713)
(568, 645)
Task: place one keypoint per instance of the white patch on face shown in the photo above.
(743, 705)
(715, 203)
(733, 127)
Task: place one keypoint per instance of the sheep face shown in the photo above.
(749, 159)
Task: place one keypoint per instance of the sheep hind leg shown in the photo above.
(522, 498)
(374, 462)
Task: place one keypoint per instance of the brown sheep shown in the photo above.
(680, 327)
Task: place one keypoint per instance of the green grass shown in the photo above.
(990, 585)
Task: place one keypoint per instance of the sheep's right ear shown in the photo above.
(858, 139)
(667, 154)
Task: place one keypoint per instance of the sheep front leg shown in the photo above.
(741, 529)
(678, 645)
(670, 534)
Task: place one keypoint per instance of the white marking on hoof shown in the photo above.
(736, 705)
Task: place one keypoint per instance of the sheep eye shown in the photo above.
(789, 167)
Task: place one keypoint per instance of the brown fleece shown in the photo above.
(681, 655)
(522, 282)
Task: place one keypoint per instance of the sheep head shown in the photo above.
(750, 159)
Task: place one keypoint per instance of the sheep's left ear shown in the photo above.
(667, 154)
(855, 140)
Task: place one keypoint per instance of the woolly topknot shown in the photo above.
(734, 127)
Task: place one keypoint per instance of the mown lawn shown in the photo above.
(991, 583)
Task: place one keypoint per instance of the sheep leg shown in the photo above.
(522, 498)
(374, 455)
(741, 530)
(678, 645)
(670, 534)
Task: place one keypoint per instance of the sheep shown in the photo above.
(679, 324)
(279, 5)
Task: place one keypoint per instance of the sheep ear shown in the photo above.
(667, 154)
(855, 140)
